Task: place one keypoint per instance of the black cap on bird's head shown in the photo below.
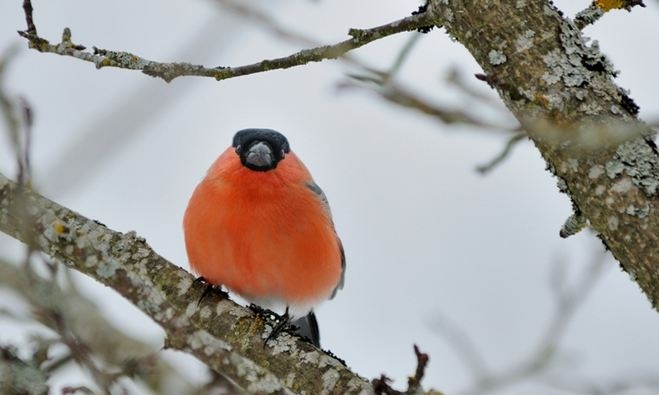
(260, 149)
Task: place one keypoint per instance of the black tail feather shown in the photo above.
(308, 327)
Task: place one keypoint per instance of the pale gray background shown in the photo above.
(424, 233)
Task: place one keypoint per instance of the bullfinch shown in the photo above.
(259, 225)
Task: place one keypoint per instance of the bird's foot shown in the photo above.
(283, 324)
(209, 289)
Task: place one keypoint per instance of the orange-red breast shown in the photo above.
(259, 225)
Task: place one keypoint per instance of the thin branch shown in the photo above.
(27, 8)
(457, 337)
(609, 386)
(168, 71)
(382, 386)
(402, 56)
(225, 336)
(567, 301)
(573, 225)
(507, 149)
(598, 8)
(17, 128)
(264, 19)
(403, 97)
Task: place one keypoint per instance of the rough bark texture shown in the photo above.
(225, 336)
(555, 83)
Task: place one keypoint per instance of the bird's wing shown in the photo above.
(321, 195)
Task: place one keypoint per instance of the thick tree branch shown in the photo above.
(225, 336)
(548, 75)
(168, 71)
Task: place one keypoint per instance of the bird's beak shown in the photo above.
(260, 155)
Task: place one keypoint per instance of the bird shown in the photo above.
(259, 225)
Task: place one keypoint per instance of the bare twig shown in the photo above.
(567, 299)
(512, 141)
(18, 116)
(381, 385)
(168, 71)
(608, 386)
(455, 77)
(27, 8)
(598, 8)
(414, 382)
(402, 56)
(401, 96)
(265, 20)
(573, 225)
(464, 348)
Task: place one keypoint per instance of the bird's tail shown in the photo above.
(308, 327)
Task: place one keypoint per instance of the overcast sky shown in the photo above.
(425, 235)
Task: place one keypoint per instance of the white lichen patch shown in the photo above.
(312, 357)
(141, 253)
(640, 162)
(613, 168)
(107, 268)
(50, 222)
(281, 344)
(205, 312)
(562, 185)
(496, 57)
(581, 94)
(640, 212)
(595, 172)
(290, 379)
(234, 312)
(203, 341)
(448, 15)
(260, 381)
(622, 186)
(191, 309)
(184, 284)
(330, 378)
(599, 190)
(165, 315)
(520, 4)
(612, 222)
(525, 41)
(590, 108)
(589, 15)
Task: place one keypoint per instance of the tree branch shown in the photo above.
(598, 8)
(168, 71)
(225, 336)
(547, 74)
(48, 299)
